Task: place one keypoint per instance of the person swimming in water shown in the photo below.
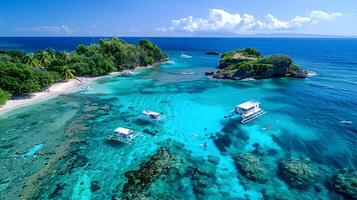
(204, 145)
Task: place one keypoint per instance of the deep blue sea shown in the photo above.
(57, 148)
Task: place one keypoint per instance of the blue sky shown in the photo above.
(176, 17)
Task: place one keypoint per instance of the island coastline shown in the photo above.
(62, 87)
(27, 78)
(248, 63)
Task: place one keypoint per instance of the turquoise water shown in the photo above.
(69, 155)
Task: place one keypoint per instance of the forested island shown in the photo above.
(24, 73)
(249, 63)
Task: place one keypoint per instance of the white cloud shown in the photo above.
(318, 15)
(63, 29)
(273, 23)
(221, 20)
(189, 24)
(249, 22)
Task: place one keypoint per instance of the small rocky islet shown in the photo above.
(249, 63)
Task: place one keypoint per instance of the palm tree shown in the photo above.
(67, 72)
(64, 56)
(32, 61)
(44, 58)
(51, 52)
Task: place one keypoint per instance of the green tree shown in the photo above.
(44, 58)
(47, 78)
(32, 61)
(152, 49)
(18, 79)
(278, 60)
(15, 55)
(67, 72)
(64, 56)
(250, 52)
(4, 96)
(51, 52)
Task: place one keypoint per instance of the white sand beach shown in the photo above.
(53, 91)
(56, 89)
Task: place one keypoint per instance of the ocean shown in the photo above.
(58, 149)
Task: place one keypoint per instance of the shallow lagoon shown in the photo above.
(76, 162)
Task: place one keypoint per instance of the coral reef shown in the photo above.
(252, 167)
(297, 173)
(345, 183)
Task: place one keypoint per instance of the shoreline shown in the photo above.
(55, 90)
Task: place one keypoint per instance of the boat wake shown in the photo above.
(311, 73)
(188, 73)
(170, 62)
(185, 56)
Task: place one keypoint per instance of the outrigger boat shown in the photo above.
(123, 135)
(152, 115)
(247, 111)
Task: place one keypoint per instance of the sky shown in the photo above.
(177, 17)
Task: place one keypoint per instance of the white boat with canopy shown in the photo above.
(123, 135)
(152, 115)
(248, 111)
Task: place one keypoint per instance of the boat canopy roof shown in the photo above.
(151, 113)
(123, 131)
(248, 105)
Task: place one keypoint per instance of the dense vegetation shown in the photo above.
(21, 73)
(249, 62)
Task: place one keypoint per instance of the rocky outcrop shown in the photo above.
(248, 63)
(232, 74)
(214, 53)
(298, 74)
(209, 73)
(297, 173)
(252, 167)
(345, 183)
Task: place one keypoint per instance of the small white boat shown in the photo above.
(152, 115)
(188, 73)
(346, 122)
(185, 56)
(249, 79)
(126, 73)
(247, 111)
(311, 73)
(123, 135)
(170, 62)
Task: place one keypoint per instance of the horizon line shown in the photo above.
(307, 36)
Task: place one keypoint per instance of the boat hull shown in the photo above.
(252, 117)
